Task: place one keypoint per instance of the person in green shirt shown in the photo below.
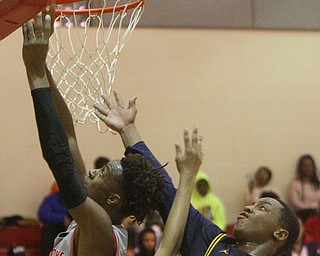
(206, 202)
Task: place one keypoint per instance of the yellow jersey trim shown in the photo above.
(214, 243)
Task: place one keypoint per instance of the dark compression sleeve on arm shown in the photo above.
(55, 149)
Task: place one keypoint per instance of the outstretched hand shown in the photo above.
(188, 163)
(116, 116)
(36, 34)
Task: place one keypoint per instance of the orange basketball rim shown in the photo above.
(14, 13)
(129, 5)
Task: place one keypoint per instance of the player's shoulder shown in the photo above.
(230, 251)
(223, 244)
(226, 247)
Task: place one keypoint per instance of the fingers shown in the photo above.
(200, 144)
(100, 109)
(47, 26)
(195, 137)
(186, 140)
(101, 112)
(178, 151)
(132, 102)
(190, 160)
(52, 16)
(38, 26)
(200, 152)
(102, 116)
(196, 141)
(25, 33)
(30, 31)
(107, 101)
(119, 101)
(51, 10)
(37, 30)
(118, 98)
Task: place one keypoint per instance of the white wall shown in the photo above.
(253, 94)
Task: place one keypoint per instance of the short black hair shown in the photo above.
(100, 162)
(267, 170)
(143, 187)
(288, 221)
(271, 194)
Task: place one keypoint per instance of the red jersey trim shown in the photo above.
(116, 238)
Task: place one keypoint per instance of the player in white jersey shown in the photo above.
(103, 198)
(64, 243)
(188, 164)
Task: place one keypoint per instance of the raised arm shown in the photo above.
(90, 238)
(188, 165)
(52, 135)
(67, 121)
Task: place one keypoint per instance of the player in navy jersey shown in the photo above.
(267, 228)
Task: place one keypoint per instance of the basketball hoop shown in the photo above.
(84, 49)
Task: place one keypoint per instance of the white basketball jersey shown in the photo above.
(64, 242)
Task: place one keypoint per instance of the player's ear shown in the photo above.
(113, 199)
(281, 234)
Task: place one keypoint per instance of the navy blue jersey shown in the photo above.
(201, 236)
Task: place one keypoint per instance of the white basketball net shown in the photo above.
(82, 56)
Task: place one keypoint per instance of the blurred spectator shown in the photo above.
(72, 20)
(152, 221)
(55, 218)
(100, 161)
(312, 227)
(16, 250)
(258, 184)
(206, 202)
(147, 243)
(304, 192)
(304, 246)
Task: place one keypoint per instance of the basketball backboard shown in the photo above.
(14, 13)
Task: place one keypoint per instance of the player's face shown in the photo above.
(258, 222)
(100, 181)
